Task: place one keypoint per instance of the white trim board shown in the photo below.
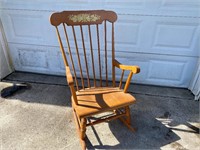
(5, 61)
(195, 84)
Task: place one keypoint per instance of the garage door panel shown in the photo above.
(32, 27)
(179, 5)
(29, 58)
(47, 4)
(46, 59)
(20, 24)
(173, 36)
(156, 7)
(122, 5)
(156, 69)
(39, 59)
(158, 35)
(24, 26)
(128, 33)
(29, 27)
(165, 70)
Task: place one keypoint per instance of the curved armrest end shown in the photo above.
(134, 69)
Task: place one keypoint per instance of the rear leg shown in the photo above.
(127, 119)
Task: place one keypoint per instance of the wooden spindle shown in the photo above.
(99, 54)
(61, 47)
(106, 61)
(78, 56)
(128, 81)
(70, 54)
(86, 64)
(121, 79)
(92, 55)
(113, 56)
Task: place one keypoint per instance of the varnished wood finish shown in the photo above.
(133, 69)
(78, 57)
(70, 54)
(93, 99)
(113, 56)
(84, 50)
(63, 17)
(97, 100)
(99, 55)
(106, 57)
(121, 79)
(61, 47)
(92, 55)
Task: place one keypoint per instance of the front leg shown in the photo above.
(83, 122)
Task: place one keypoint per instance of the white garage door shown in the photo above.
(160, 36)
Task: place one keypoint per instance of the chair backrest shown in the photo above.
(88, 37)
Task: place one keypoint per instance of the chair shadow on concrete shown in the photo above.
(41, 93)
(150, 117)
(150, 134)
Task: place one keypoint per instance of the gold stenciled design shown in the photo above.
(84, 17)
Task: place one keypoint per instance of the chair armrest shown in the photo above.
(69, 76)
(134, 69)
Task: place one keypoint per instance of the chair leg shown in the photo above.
(81, 129)
(82, 132)
(128, 115)
(127, 120)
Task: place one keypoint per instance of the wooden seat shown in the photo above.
(89, 39)
(97, 100)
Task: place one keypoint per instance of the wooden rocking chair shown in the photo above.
(89, 38)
